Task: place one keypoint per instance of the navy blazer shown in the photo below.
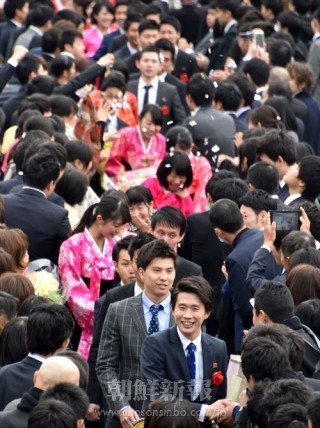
(16, 379)
(163, 358)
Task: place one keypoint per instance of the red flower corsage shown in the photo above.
(165, 110)
(217, 379)
(184, 77)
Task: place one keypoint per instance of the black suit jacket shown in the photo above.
(122, 53)
(117, 42)
(6, 30)
(190, 17)
(201, 245)
(163, 358)
(169, 102)
(46, 224)
(16, 379)
(185, 66)
(181, 88)
(220, 49)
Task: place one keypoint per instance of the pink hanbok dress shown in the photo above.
(202, 172)
(130, 149)
(81, 262)
(162, 197)
(92, 39)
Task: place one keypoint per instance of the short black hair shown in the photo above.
(230, 5)
(11, 6)
(288, 416)
(296, 240)
(275, 299)
(13, 341)
(50, 40)
(229, 188)
(309, 173)
(41, 84)
(97, 8)
(169, 216)
(225, 215)
(155, 113)
(79, 150)
(265, 176)
(313, 408)
(246, 87)
(147, 24)
(178, 136)
(122, 244)
(150, 48)
(258, 200)
(59, 64)
(68, 37)
(49, 325)
(229, 95)
(138, 195)
(51, 414)
(8, 305)
(131, 18)
(114, 80)
(280, 52)
(258, 70)
(29, 64)
(309, 314)
(173, 21)
(40, 170)
(155, 249)
(63, 106)
(261, 358)
(196, 285)
(70, 394)
(177, 162)
(276, 6)
(40, 15)
(39, 123)
(72, 186)
(166, 45)
(277, 143)
(201, 90)
(139, 241)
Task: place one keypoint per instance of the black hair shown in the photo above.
(281, 104)
(151, 48)
(30, 303)
(97, 8)
(196, 285)
(114, 80)
(19, 151)
(109, 208)
(173, 21)
(229, 188)
(40, 15)
(155, 249)
(258, 200)
(70, 394)
(261, 359)
(229, 95)
(169, 216)
(248, 151)
(255, 412)
(63, 106)
(166, 45)
(139, 241)
(289, 415)
(265, 176)
(52, 414)
(155, 113)
(275, 299)
(72, 186)
(291, 21)
(276, 6)
(280, 52)
(225, 215)
(178, 163)
(13, 341)
(37, 102)
(152, 9)
(219, 175)
(309, 173)
(309, 314)
(50, 40)
(48, 327)
(29, 64)
(39, 123)
(296, 240)
(201, 90)
(58, 125)
(147, 24)
(40, 170)
(8, 305)
(10, 7)
(68, 37)
(277, 143)
(79, 150)
(123, 244)
(139, 195)
(230, 5)
(246, 87)
(131, 18)
(303, 149)
(258, 70)
(41, 85)
(313, 408)
(59, 64)
(178, 136)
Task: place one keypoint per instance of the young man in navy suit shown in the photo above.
(191, 363)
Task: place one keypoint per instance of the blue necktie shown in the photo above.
(154, 323)
(191, 360)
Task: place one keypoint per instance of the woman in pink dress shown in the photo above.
(180, 139)
(174, 177)
(139, 146)
(102, 18)
(85, 261)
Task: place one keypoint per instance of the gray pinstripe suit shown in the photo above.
(123, 332)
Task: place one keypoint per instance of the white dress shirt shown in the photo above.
(152, 92)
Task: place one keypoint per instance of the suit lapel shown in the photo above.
(178, 351)
(137, 315)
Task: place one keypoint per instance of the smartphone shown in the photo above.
(258, 36)
(286, 221)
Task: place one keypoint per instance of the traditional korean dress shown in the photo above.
(131, 150)
(202, 172)
(83, 268)
(92, 39)
(162, 197)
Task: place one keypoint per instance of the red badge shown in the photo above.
(165, 110)
(217, 379)
(184, 77)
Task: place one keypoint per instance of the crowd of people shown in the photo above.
(160, 213)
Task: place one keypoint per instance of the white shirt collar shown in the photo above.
(229, 25)
(37, 190)
(162, 76)
(137, 289)
(32, 27)
(68, 54)
(153, 83)
(186, 342)
(37, 357)
(292, 198)
(282, 183)
(132, 50)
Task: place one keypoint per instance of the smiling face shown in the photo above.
(175, 182)
(189, 313)
(158, 278)
(109, 228)
(104, 18)
(147, 127)
(171, 235)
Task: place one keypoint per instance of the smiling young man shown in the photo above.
(193, 363)
(127, 324)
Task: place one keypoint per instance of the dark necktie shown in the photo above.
(146, 95)
(154, 323)
(191, 360)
